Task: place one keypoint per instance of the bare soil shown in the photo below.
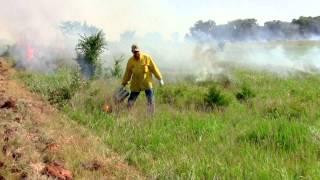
(38, 142)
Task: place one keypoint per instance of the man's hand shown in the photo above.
(161, 82)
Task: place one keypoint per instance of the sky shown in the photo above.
(163, 16)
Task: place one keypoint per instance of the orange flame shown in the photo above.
(107, 108)
(30, 53)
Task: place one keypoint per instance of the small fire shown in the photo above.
(107, 108)
(29, 53)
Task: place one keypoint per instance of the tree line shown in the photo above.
(249, 30)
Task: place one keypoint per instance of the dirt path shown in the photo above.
(37, 142)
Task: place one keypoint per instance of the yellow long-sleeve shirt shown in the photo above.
(139, 73)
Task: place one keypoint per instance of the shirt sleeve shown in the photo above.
(154, 69)
(127, 74)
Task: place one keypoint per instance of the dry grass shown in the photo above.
(37, 135)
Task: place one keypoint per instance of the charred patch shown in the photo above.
(2, 164)
(9, 104)
(16, 155)
(24, 176)
(2, 178)
(92, 166)
(5, 149)
(15, 170)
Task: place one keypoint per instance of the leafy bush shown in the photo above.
(61, 95)
(117, 68)
(245, 94)
(215, 98)
(181, 96)
(170, 94)
(57, 88)
(89, 49)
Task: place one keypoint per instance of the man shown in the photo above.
(139, 71)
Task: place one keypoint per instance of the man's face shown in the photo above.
(136, 54)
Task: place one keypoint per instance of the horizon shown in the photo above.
(163, 17)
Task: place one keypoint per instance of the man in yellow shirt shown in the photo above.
(139, 71)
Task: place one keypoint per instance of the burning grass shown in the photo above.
(268, 136)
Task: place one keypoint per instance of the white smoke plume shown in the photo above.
(32, 27)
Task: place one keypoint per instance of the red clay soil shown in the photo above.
(13, 125)
(57, 170)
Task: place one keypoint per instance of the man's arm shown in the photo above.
(155, 70)
(127, 74)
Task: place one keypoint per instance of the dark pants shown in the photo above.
(134, 95)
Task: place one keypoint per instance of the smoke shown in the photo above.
(174, 56)
(279, 61)
(33, 30)
(280, 58)
(30, 31)
(183, 57)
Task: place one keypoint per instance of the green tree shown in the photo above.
(308, 25)
(74, 28)
(89, 48)
(244, 29)
(202, 30)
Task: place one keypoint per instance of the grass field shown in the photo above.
(258, 126)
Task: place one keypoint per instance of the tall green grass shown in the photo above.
(272, 133)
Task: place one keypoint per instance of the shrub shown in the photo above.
(89, 49)
(170, 94)
(61, 95)
(117, 68)
(215, 98)
(58, 88)
(245, 94)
